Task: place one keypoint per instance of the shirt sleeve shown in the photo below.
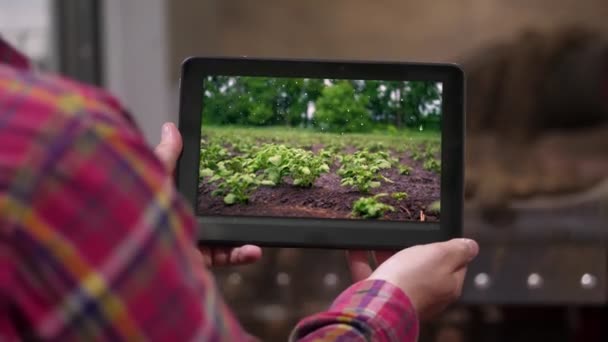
(96, 243)
(371, 310)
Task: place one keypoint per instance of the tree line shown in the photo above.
(329, 105)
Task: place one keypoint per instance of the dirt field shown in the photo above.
(327, 198)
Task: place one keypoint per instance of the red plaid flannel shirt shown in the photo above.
(95, 241)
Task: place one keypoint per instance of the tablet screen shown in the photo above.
(320, 148)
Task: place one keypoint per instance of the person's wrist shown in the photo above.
(399, 297)
(401, 292)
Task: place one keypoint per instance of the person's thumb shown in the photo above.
(170, 146)
(460, 252)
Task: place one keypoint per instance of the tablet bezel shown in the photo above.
(324, 233)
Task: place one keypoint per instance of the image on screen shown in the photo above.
(320, 148)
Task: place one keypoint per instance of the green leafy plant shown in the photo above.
(363, 180)
(370, 207)
(206, 172)
(399, 196)
(417, 155)
(274, 160)
(404, 170)
(376, 146)
(434, 207)
(305, 168)
(362, 170)
(211, 155)
(433, 165)
(279, 161)
(237, 188)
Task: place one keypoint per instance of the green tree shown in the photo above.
(376, 99)
(259, 94)
(417, 97)
(411, 101)
(224, 102)
(339, 110)
(289, 101)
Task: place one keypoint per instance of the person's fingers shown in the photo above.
(358, 263)
(458, 253)
(245, 255)
(220, 256)
(170, 146)
(459, 277)
(207, 257)
(223, 256)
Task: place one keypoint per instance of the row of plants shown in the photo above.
(238, 176)
(333, 142)
(373, 207)
(240, 166)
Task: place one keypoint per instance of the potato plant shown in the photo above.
(362, 170)
(399, 196)
(404, 169)
(237, 188)
(433, 165)
(370, 207)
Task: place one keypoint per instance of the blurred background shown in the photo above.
(537, 135)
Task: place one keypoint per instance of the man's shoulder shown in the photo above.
(41, 114)
(45, 97)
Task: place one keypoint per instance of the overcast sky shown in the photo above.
(28, 19)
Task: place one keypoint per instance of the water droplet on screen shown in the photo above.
(362, 124)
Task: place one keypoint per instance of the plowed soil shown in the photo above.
(328, 199)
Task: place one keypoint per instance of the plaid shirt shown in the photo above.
(96, 243)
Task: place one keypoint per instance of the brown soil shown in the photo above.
(328, 199)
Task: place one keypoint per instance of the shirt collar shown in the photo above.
(9, 55)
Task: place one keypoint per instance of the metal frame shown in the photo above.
(77, 26)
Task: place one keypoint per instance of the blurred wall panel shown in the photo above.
(135, 61)
(439, 30)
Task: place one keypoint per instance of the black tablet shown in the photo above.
(325, 154)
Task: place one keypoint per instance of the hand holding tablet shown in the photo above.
(322, 154)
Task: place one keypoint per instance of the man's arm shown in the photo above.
(101, 244)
